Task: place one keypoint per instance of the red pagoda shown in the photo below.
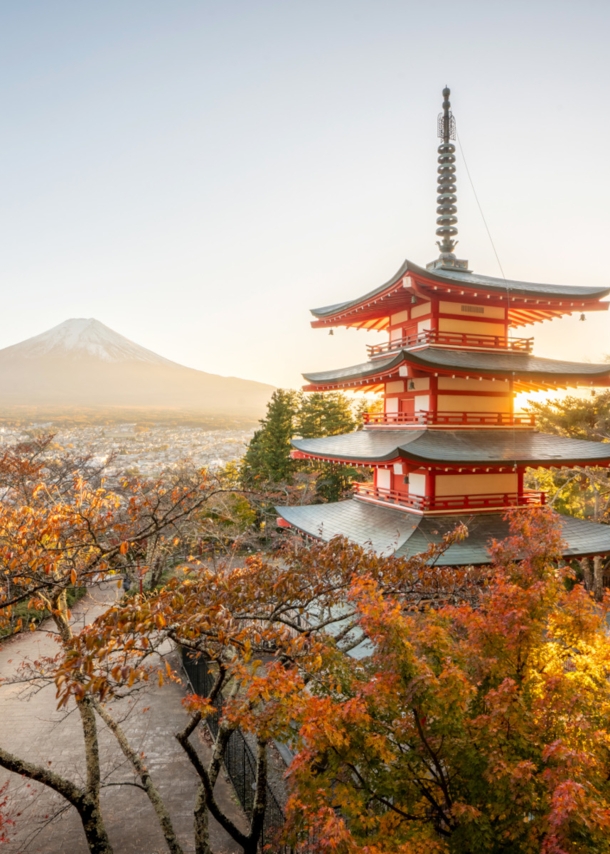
(448, 445)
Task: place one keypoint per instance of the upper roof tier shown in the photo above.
(528, 302)
(527, 372)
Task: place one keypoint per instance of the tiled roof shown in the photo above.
(473, 280)
(356, 372)
(505, 363)
(388, 531)
(466, 447)
(478, 362)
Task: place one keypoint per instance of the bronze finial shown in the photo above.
(446, 199)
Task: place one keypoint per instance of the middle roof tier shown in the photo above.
(455, 448)
(525, 371)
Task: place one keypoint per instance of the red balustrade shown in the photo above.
(449, 502)
(452, 339)
(449, 419)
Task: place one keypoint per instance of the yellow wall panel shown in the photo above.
(462, 384)
(475, 484)
(470, 403)
(492, 311)
(420, 310)
(470, 327)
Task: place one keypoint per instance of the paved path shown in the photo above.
(33, 729)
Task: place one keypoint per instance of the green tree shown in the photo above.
(325, 414)
(268, 459)
(576, 417)
(330, 414)
(583, 492)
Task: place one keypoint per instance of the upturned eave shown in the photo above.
(528, 302)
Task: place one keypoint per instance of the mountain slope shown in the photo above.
(83, 363)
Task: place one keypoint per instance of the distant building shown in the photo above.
(448, 446)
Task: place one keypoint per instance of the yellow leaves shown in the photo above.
(73, 576)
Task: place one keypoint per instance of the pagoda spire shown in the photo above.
(446, 199)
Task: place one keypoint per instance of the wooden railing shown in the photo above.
(452, 339)
(449, 419)
(449, 502)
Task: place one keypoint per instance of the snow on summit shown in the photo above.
(80, 337)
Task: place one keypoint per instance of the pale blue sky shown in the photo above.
(197, 175)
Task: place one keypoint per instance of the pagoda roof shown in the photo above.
(467, 448)
(533, 370)
(389, 531)
(517, 292)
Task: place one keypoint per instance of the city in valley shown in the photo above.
(139, 449)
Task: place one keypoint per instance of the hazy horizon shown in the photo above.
(197, 176)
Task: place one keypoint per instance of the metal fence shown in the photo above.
(239, 759)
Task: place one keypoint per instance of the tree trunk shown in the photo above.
(93, 825)
(87, 808)
(585, 565)
(598, 578)
(260, 799)
(202, 829)
(142, 771)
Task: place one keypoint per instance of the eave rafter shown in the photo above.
(413, 464)
(374, 313)
(520, 384)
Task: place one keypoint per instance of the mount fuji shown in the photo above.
(83, 364)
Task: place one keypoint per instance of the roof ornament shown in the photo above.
(446, 199)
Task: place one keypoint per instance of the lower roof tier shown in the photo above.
(389, 531)
(478, 448)
(526, 371)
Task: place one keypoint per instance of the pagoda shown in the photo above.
(448, 446)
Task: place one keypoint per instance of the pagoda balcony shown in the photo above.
(452, 339)
(447, 503)
(448, 420)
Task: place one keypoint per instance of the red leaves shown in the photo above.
(496, 714)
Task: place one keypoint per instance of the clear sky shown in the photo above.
(198, 174)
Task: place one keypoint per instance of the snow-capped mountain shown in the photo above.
(83, 337)
(82, 363)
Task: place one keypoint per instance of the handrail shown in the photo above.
(453, 339)
(448, 418)
(450, 502)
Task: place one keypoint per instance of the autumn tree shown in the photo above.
(477, 727)
(263, 628)
(60, 530)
